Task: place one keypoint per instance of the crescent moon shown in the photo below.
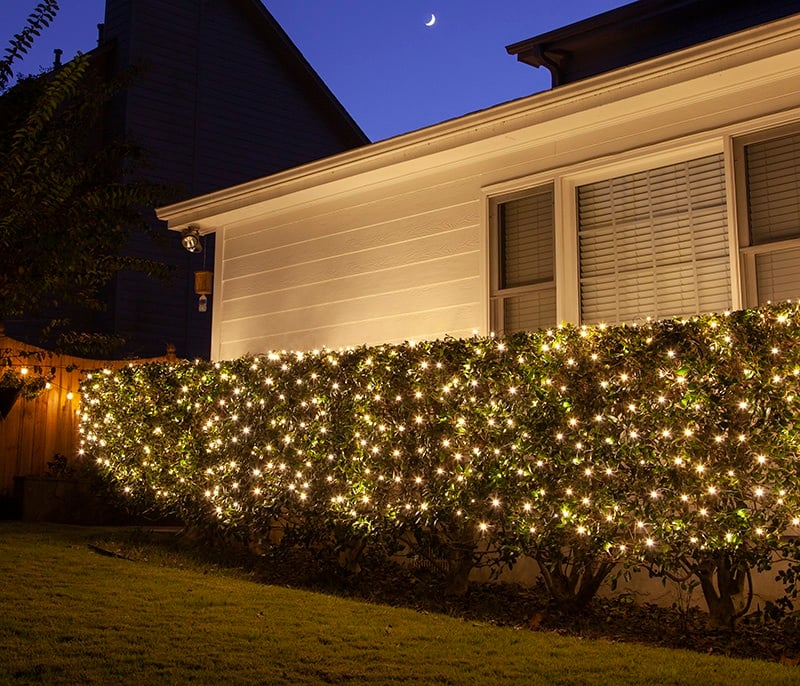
(431, 21)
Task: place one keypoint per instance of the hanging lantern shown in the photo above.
(203, 282)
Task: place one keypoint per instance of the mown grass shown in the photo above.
(69, 615)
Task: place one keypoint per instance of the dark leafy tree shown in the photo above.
(69, 200)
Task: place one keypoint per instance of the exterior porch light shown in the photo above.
(190, 239)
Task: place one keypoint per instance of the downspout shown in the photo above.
(550, 64)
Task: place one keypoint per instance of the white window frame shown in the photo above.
(748, 253)
(658, 263)
(497, 294)
(565, 184)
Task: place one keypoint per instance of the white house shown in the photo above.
(665, 186)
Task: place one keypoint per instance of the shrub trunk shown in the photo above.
(460, 562)
(723, 585)
(572, 580)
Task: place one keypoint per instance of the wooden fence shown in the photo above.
(36, 430)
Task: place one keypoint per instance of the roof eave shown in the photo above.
(469, 128)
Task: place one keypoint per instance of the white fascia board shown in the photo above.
(702, 72)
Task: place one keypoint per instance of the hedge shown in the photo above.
(670, 444)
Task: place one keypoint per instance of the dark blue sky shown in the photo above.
(391, 72)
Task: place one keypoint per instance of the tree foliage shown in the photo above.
(69, 198)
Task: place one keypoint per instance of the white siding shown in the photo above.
(392, 269)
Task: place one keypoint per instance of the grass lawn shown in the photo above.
(71, 616)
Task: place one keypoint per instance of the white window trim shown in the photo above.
(623, 165)
(738, 297)
(747, 253)
(565, 184)
(775, 246)
(486, 264)
(567, 266)
(495, 315)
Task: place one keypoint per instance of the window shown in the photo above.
(524, 293)
(654, 243)
(771, 256)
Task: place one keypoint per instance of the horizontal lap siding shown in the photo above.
(393, 328)
(373, 261)
(375, 225)
(346, 288)
(364, 244)
(390, 267)
(367, 308)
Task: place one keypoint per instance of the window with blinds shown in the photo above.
(655, 243)
(525, 296)
(772, 171)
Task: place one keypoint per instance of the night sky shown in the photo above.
(390, 71)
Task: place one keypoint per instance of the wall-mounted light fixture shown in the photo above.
(190, 239)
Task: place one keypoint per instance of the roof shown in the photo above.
(302, 70)
(490, 131)
(639, 31)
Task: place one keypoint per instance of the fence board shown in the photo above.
(36, 430)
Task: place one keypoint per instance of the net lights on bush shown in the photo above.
(658, 439)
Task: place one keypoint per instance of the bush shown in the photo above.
(670, 444)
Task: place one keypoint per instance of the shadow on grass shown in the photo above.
(388, 582)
